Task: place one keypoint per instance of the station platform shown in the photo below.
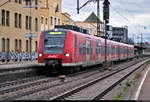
(143, 88)
(18, 64)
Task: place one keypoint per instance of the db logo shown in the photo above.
(52, 56)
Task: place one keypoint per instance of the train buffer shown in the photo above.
(110, 68)
(62, 78)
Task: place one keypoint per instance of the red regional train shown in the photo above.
(64, 48)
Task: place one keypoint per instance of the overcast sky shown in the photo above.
(132, 13)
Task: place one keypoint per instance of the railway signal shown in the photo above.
(106, 11)
(106, 20)
(98, 12)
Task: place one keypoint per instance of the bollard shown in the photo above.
(110, 68)
(62, 78)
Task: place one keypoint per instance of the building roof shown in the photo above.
(92, 18)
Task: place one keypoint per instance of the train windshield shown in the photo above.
(54, 42)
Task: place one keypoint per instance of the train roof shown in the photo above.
(52, 30)
(89, 36)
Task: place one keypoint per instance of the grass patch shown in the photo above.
(123, 92)
(121, 95)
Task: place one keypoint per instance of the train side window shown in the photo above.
(114, 50)
(91, 49)
(108, 50)
(97, 49)
(84, 49)
(75, 41)
(80, 48)
(102, 50)
(88, 49)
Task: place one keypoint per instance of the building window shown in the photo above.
(3, 45)
(7, 18)
(19, 20)
(55, 21)
(16, 45)
(41, 20)
(46, 21)
(27, 19)
(30, 2)
(3, 17)
(51, 21)
(8, 45)
(36, 46)
(58, 21)
(20, 45)
(20, 1)
(36, 24)
(46, 4)
(27, 47)
(36, 3)
(16, 16)
(27, 2)
(30, 23)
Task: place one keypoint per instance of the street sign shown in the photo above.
(30, 6)
(30, 35)
(68, 20)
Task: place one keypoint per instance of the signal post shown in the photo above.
(106, 21)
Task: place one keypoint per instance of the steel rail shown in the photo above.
(98, 97)
(75, 90)
(40, 89)
(38, 83)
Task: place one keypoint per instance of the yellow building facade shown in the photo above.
(66, 19)
(50, 11)
(16, 20)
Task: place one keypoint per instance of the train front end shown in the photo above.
(51, 48)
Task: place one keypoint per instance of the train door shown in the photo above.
(118, 52)
(100, 51)
(115, 52)
(127, 52)
(109, 51)
(75, 49)
(88, 51)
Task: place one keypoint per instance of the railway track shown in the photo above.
(31, 84)
(99, 87)
(16, 91)
(10, 74)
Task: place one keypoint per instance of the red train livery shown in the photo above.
(62, 47)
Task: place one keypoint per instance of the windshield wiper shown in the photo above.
(51, 46)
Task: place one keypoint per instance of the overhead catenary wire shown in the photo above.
(126, 19)
(140, 27)
(132, 15)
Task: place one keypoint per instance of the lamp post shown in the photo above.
(98, 20)
(30, 38)
(30, 35)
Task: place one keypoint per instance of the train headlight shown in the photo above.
(40, 55)
(67, 54)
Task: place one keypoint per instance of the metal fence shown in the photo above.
(22, 56)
